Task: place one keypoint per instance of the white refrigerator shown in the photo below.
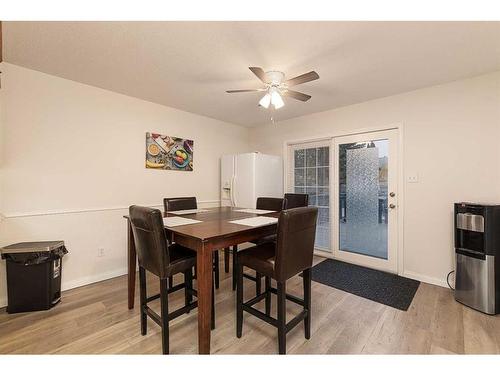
(245, 177)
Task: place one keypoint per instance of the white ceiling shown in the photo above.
(189, 65)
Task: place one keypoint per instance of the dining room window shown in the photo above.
(309, 173)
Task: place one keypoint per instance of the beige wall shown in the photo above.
(73, 161)
(451, 136)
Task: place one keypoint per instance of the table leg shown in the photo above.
(204, 269)
(226, 259)
(132, 261)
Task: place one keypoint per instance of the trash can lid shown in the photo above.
(32, 247)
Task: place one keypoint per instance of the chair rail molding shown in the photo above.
(13, 215)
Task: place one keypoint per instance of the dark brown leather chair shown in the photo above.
(263, 203)
(271, 204)
(293, 200)
(178, 204)
(290, 255)
(157, 256)
(190, 203)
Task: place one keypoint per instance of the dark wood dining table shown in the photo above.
(214, 232)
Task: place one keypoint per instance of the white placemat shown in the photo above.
(187, 212)
(256, 221)
(174, 221)
(254, 211)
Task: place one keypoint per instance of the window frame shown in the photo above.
(290, 178)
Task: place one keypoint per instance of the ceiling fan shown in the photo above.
(276, 86)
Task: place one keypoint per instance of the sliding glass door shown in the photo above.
(353, 181)
(309, 172)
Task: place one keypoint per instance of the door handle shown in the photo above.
(392, 194)
(392, 206)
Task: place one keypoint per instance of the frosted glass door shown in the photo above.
(366, 199)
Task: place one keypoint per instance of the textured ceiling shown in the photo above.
(189, 65)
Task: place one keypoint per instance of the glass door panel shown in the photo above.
(309, 173)
(363, 197)
(366, 197)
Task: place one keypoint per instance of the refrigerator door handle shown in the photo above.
(235, 204)
(231, 191)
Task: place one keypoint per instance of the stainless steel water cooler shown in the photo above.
(477, 251)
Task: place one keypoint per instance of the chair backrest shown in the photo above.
(177, 204)
(296, 200)
(271, 204)
(150, 241)
(295, 243)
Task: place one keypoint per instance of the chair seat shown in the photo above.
(181, 259)
(259, 258)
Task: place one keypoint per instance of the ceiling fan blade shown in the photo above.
(297, 95)
(259, 72)
(307, 77)
(252, 90)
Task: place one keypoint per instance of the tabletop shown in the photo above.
(215, 222)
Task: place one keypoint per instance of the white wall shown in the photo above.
(73, 160)
(451, 139)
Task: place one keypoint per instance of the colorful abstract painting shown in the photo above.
(170, 153)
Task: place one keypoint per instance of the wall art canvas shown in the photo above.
(169, 153)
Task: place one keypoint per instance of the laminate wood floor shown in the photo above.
(94, 319)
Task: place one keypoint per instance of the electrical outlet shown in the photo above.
(412, 178)
(100, 252)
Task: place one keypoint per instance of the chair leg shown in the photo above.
(268, 295)
(235, 266)
(306, 277)
(282, 317)
(188, 281)
(239, 301)
(143, 292)
(164, 316)
(212, 322)
(170, 281)
(216, 268)
(258, 283)
(226, 260)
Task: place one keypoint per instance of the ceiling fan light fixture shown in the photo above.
(276, 87)
(277, 100)
(265, 101)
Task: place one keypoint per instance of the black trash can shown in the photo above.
(33, 275)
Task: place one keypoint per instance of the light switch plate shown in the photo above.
(412, 178)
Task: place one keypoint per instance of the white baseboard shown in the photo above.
(93, 279)
(67, 285)
(425, 279)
